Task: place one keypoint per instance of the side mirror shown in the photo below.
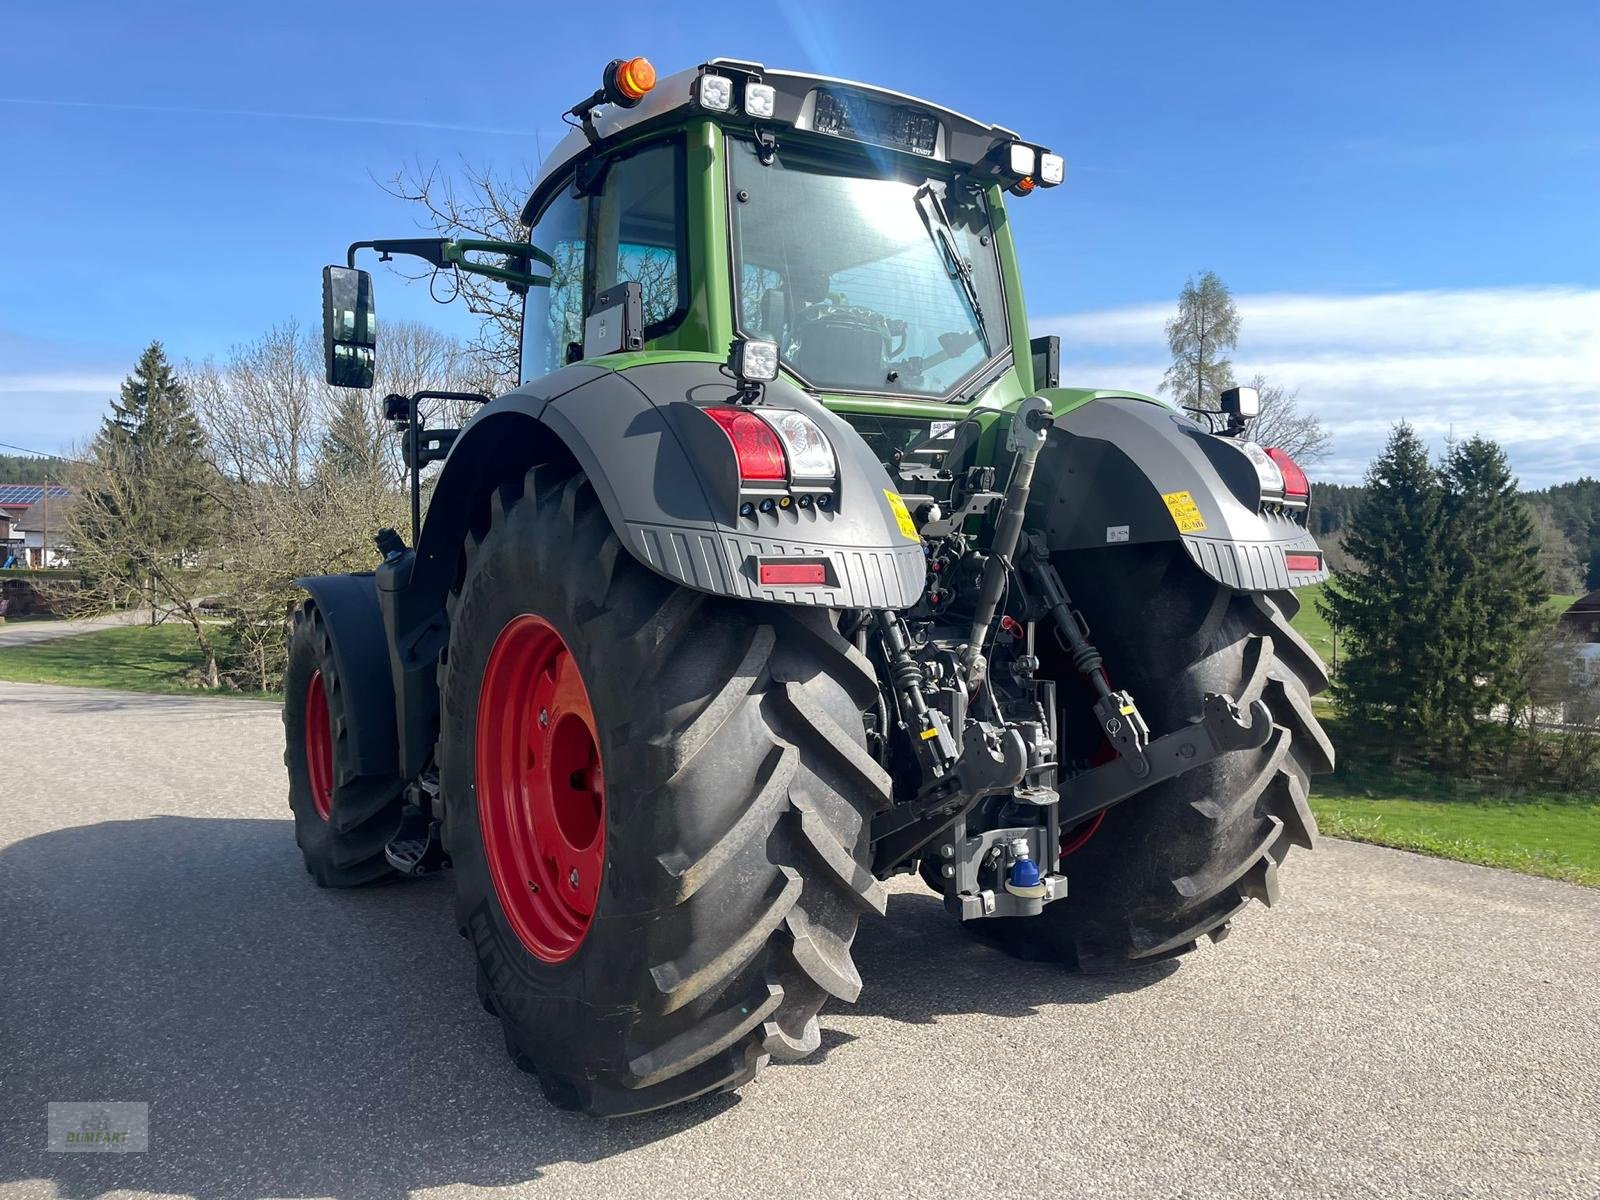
(1244, 402)
(349, 327)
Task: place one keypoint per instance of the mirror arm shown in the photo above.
(444, 253)
(429, 249)
(456, 254)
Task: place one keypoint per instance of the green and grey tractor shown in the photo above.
(790, 567)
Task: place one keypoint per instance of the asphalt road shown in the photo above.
(1396, 1026)
(25, 633)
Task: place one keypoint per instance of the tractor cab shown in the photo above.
(859, 233)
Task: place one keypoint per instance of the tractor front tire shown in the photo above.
(1176, 862)
(342, 818)
(657, 803)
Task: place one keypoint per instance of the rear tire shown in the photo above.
(342, 819)
(1176, 862)
(734, 816)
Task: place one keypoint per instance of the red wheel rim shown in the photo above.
(541, 788)
(319, 746)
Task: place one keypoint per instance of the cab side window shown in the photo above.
(553, 319)
(638, 231)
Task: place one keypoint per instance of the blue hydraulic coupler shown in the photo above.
(1024, 873)
(1024, 879)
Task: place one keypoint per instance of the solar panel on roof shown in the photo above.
(13, 494)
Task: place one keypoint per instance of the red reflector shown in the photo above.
(757, 448)
(1303, 562)
(1295, 483)
(796, 572)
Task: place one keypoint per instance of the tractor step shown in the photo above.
(416, 848)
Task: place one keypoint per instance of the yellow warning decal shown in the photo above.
(929, 734)
(1185, 512)
(902, 515)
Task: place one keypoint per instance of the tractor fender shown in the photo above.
(667, 480)
(1121, 470)
(348, 605)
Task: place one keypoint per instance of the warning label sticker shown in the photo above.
(903, 517)
(1185, 512)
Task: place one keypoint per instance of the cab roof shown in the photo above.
(958, 139)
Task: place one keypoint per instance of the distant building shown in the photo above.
(15, 501)
(43, 529)
(1582, 620)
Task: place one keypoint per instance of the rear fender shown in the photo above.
(665, 476)
(348, 605)
(666, 479)
(1119, 470)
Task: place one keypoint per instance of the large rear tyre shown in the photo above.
(688, 774)
(342, 819)
(1176, 862)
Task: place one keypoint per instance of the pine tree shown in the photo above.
(1498, 587)
(1206, 327)
(153, 428)
(1393, 663)
(353, 443)
(154, 405)
(147, 515)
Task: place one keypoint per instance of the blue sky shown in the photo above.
(1405, 198)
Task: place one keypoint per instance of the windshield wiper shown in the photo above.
(940, 229)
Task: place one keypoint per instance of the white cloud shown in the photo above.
(1520, 365)
(61, 381)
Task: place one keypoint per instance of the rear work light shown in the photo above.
(755, 445)
(760, 100)
(1296, 488)
(714, 92)
(1022, 158)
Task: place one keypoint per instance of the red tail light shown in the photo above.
(1303, 562)
(755, 445)
(1295, 484)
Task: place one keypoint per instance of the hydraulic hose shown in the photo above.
(1030, 426)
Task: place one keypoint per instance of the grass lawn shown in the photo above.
(1551, 835)
(132, 658)
(1554, 836)
(1308, 623)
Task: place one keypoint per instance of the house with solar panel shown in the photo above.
(32, 516)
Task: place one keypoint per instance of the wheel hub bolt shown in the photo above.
(544, 717)
(573, 878)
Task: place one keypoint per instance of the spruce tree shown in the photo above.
(153, 427)
(353, 441)
(1392, 666)
(1497, 586)
(154, 406)
(146, 520)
